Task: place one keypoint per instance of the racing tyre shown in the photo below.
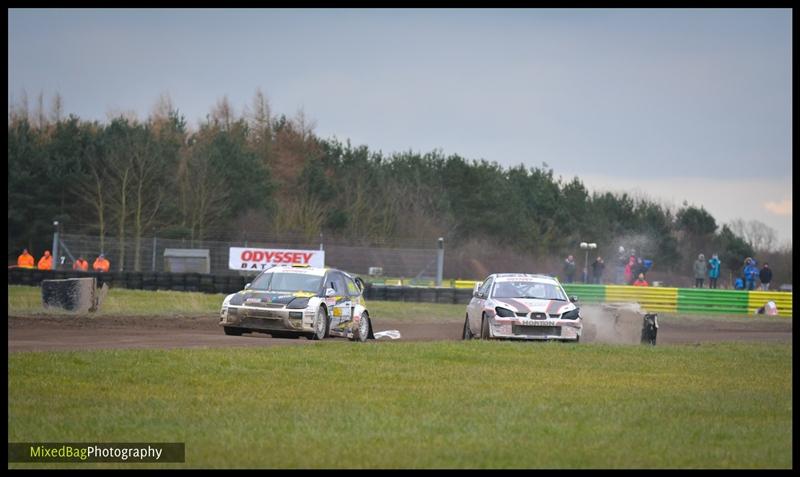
(232, 331)
(320, 325)
(485, 329)
(467, 334)
(362, 332)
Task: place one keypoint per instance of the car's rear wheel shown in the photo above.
(362, 332)
(233, 331)
(320, 325)
(467, 335)
(485, 328)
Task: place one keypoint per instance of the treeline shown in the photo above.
(238, 176)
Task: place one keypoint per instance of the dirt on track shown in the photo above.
(64, 332)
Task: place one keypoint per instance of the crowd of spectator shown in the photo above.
(632, 269)
(26, 260)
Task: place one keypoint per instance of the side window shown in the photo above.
(336, 281)
(352, 288)
(484, 290)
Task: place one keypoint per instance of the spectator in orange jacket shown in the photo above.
(101, 264)
(81, 264)
(46, 262)
(25, 260)
(641, 282)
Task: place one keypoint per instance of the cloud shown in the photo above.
(783, 207)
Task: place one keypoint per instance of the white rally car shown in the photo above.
(293, 301)
(522, 306)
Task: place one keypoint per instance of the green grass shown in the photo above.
(120, 301)
(412, 405)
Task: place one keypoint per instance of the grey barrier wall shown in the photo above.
(224, 284)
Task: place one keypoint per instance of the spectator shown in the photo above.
(81, 264)
(739, 284)
(641, 268)
(101, 264)
(699, 271)
(569, 269)
(46, 262)
(597, 270)
(713, 271)
(640, 281)
(629, 269)
(750, 272)
(622, 260)
(765, 275)
(25, 260)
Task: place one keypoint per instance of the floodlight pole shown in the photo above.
(54, 263)
(440, 262)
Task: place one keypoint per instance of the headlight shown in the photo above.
(504, 312)
(298, 303)
(572, 314)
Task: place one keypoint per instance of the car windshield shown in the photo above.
(287, 282)
(528, 289)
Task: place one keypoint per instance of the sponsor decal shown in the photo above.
(240, 258)
(537, 322)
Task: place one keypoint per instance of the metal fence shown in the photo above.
(395, 262)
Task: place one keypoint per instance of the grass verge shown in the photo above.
(419, 405)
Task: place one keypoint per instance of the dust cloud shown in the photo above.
(612, 323)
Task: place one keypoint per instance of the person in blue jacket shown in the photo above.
(713, 271)
(750, 273)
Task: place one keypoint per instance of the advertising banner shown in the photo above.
(257, 259)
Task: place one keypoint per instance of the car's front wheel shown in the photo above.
(485, 335)
(320, 325)
(362, 332)
(467, 334)
(233, 331)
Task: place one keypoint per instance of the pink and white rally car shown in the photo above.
(522, 306)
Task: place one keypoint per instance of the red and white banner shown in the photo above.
(262, 258)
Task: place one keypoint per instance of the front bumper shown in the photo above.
(267, 318)
(527, 329)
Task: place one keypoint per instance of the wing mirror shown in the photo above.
(573, 298)
(476, 290)
(330, 292)
(247, 286)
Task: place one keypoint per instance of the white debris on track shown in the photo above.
(390, 334)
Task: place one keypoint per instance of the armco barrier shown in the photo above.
(654, 299)
(586, 293)
(468, 284)
(757, 299)
(699, 300)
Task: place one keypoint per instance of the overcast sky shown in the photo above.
(680, 105)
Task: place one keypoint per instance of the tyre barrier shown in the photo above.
(194, 282)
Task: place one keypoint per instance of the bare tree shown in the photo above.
(759, 235)
(147, 197)
(41, 118)
(203, 203)
(260, 122)
(91, 188)
(222, 115)
(57, 109)
(304, 125)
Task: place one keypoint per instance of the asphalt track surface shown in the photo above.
(62, 333)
